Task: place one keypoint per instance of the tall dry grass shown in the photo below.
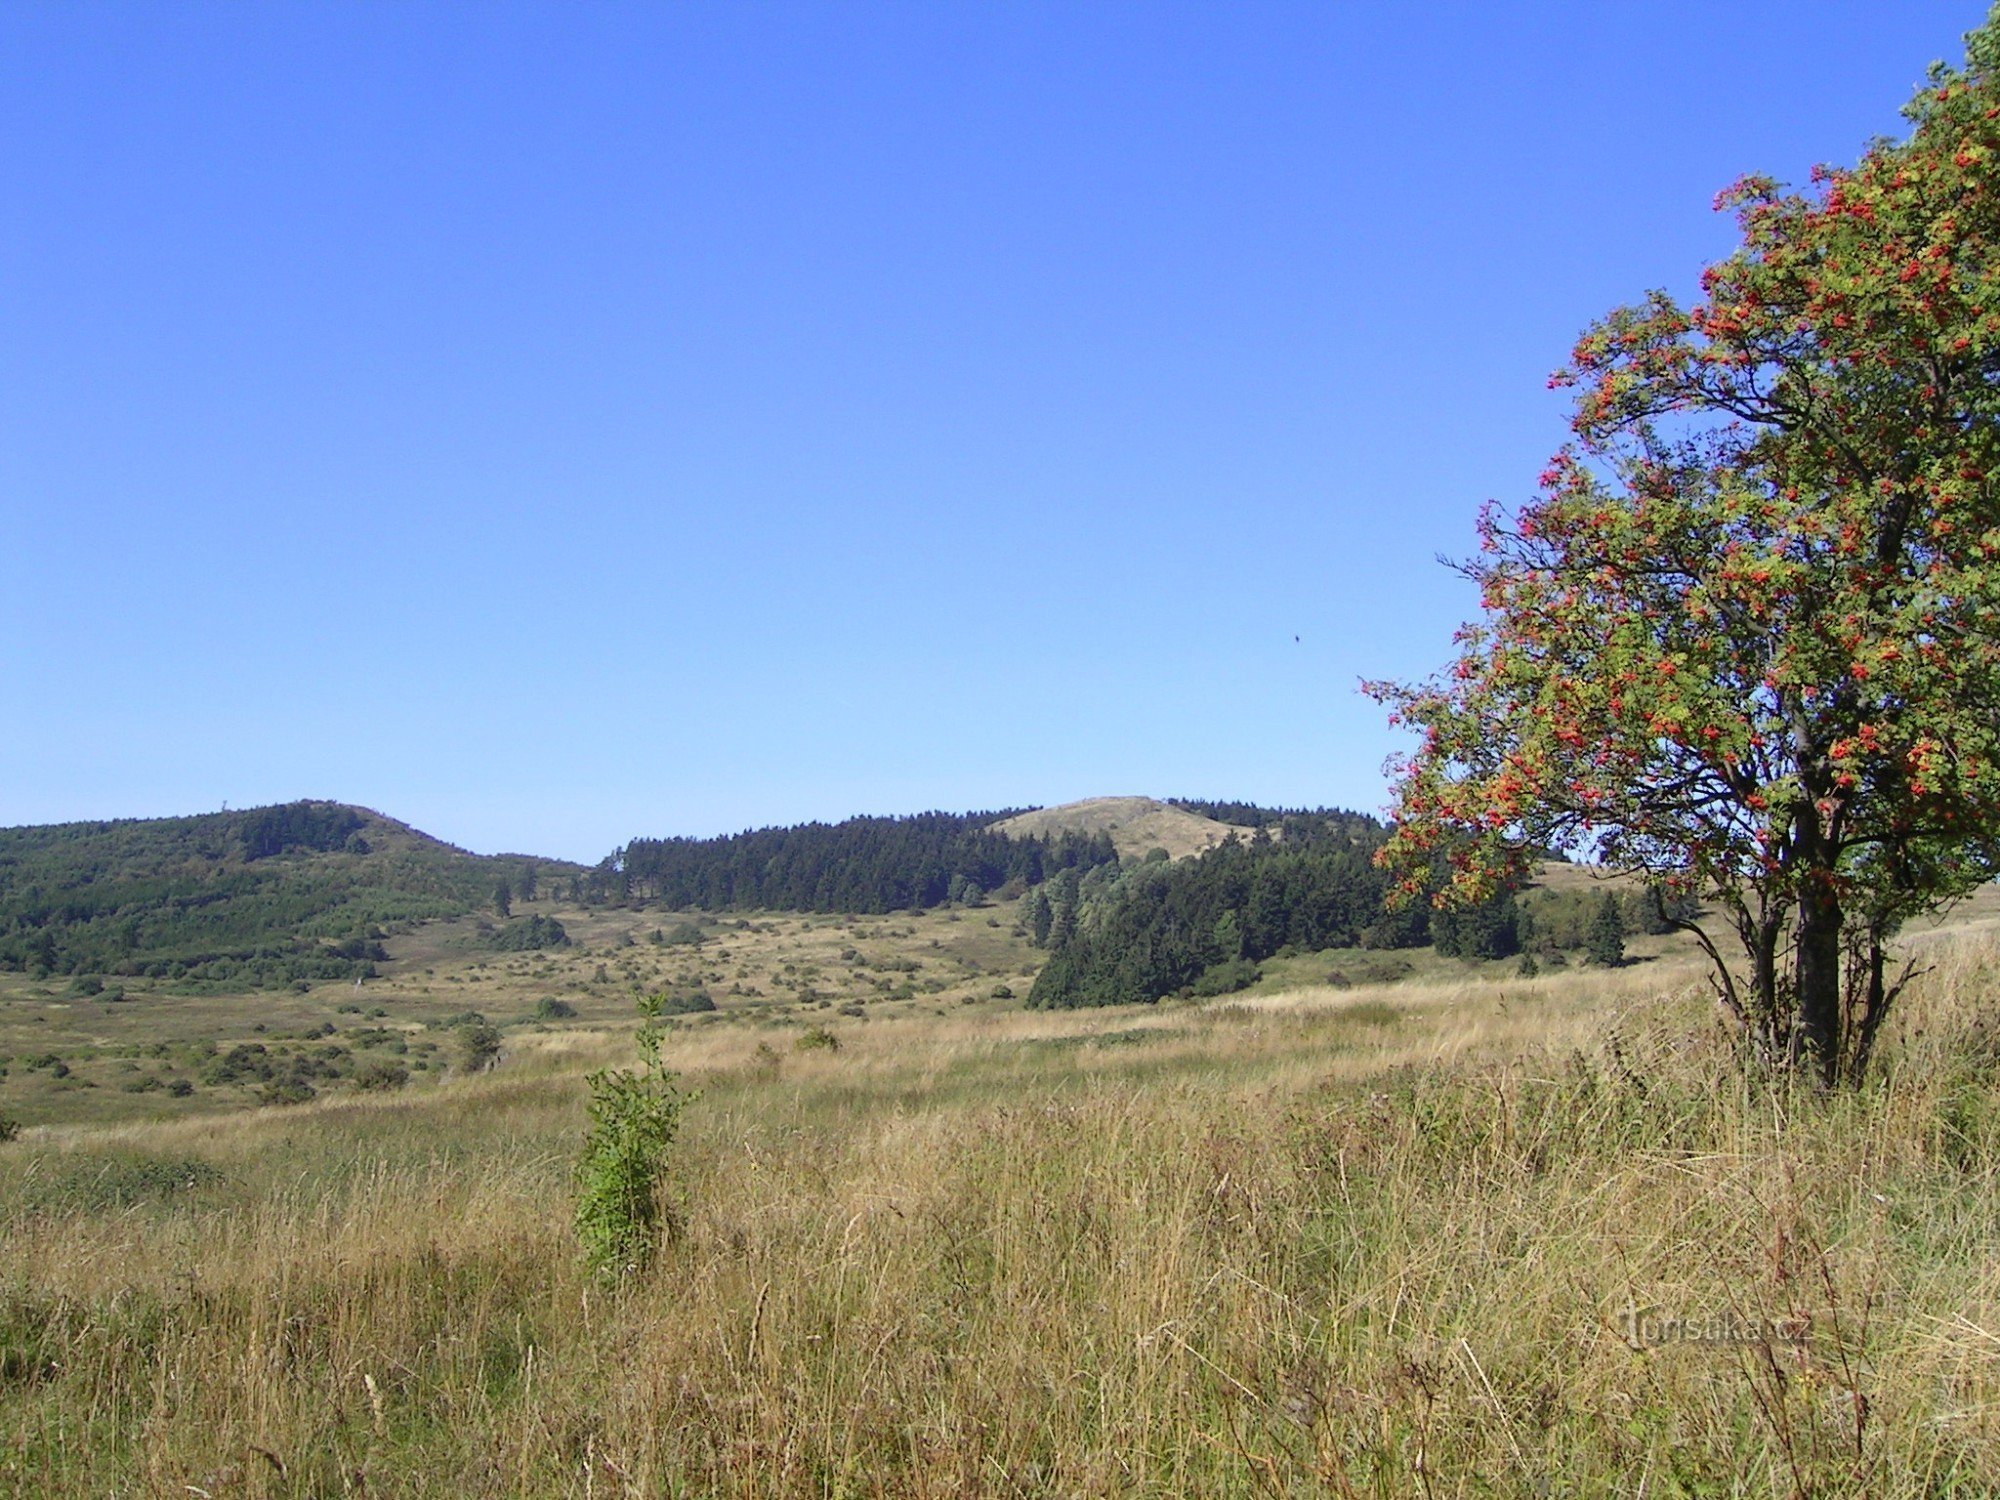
(1538, 1238)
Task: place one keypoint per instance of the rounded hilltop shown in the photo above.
(1136, 825)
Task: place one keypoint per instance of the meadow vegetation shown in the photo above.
(1458, 1233)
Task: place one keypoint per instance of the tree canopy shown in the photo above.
(1746, 637)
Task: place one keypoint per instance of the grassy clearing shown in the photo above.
(1441, 1238)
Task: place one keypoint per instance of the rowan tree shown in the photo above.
(1745, 640)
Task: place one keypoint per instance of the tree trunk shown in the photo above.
(1816, 1038)
(1874, 1006)
(1771, 1029)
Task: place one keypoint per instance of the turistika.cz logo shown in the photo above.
(1653, 1328)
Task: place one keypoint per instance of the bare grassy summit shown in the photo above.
(1136, 825)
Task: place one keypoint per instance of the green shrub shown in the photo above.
(817, 1039)
(1226, 978)
(380, 1075)
(687, 1003)
(529, 934)
(621, 1207)
(478, 1047)
(552, 1009)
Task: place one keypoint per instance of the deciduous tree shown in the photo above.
(1746, 638)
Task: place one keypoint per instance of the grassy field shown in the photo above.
(136, 1052)
(1462, 1234)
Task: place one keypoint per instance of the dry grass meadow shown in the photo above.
(1460, 1235)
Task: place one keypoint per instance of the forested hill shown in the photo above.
(268, 895)
(877, 864)
(1155, 927)
(861, 865)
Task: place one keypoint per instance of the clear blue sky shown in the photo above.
(555, 423)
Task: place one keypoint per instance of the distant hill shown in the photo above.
(1136, 825)
(267, 895)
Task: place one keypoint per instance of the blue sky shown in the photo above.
(551, 424)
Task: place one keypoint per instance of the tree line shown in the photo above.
(862, 865)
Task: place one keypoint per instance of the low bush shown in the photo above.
(817, 1039)
(1226, 978)
(621, 1206)
(684, 1003)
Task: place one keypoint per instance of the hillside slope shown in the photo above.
(1136, 825)
(261, 896)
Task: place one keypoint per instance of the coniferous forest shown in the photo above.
(1201, 926)
(862, 865)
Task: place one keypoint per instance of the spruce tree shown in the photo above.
(1039, 915)
(1605, 942)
